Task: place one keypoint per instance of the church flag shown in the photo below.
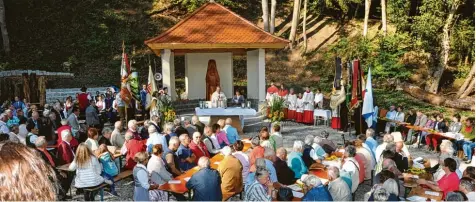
(368, 106)
(125, 71)
(151, 86)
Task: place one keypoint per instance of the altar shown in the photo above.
(235, 113)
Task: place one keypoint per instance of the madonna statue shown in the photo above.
(212, 79)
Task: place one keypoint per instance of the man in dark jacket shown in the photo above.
(206, 183)
(284, 173)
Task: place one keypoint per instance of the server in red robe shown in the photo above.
(308, 101)
(292, 104)
(299, 109)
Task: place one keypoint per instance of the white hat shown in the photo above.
(397, 136)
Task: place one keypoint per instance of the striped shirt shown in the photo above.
(257, 192)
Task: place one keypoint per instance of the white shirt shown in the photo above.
(215, 141)
(352, 167)
(3, 128)
(308, 99)
(292, 99)
(470, 196)
(318, 98)
(157, 170)
(92, 144)
(379, 150)
(216, 97)
(300, 105)
(369, 163)
(153, 139)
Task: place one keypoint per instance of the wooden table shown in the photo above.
(320, 173)
(420, 191)
(181, 188)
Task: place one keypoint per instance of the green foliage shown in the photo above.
(427, 26)
(462, 39)
(397, 11)
(386, 64)
(340, 5)
(191, 5)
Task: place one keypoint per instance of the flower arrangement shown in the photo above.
(169, 115)
(276, 112)
(166, 108)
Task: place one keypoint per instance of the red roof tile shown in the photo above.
(214, 24)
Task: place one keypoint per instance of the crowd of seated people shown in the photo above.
(156, 155)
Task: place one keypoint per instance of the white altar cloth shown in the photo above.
(230, 111)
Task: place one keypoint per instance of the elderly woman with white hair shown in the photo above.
(351, 166)
(386, 139)
(338, 188)
(317, 152)
(295, 160)
(316, 191)
(307, 148)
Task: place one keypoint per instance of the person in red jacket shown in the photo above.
(449, 182)
(65, 152)
(198, 147)
(132, 147)
(64, 126)
(83, 99)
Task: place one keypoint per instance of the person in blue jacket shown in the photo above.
(205, 183)
(317, 191)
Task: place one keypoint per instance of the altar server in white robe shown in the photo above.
(299, 109)
(291, 101)
(308, 101)
(318, 99)
(218, 98)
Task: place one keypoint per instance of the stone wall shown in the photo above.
(61, 93)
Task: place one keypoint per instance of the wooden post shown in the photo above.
(42, 90)
(26, 87)
(33, 89)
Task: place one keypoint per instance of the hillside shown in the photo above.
(85, 38)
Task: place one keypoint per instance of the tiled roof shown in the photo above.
(214, 24)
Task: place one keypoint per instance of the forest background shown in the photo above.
(421, 51)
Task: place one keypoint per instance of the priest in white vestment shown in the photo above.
(291, 101)
(218, 99)
(318, 99)
(308, 101)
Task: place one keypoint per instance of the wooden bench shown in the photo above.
(123, 175)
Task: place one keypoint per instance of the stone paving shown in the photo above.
(291, 132)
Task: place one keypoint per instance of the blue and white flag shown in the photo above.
(368, 107)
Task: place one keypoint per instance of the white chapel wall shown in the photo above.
(196, 69)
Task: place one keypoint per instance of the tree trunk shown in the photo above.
(415, 91)
(466, 82)
(304, 21)
(3, 29)
(469, 90)
(273, 16)
(366, 17)
(384, 16)
(294, 22)
(264, 6)
(434, 81)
